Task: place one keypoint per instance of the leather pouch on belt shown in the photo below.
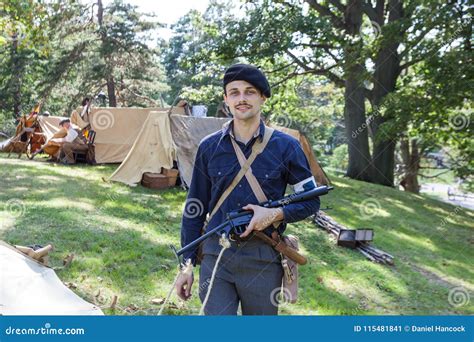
(290, 271)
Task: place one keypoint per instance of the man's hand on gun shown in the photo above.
(262, 218)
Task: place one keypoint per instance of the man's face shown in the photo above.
(243, 99)
(66, 125)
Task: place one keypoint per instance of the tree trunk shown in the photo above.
(384, 162)
(354, 98)
(387, 70)
(111, 91)
(108, 63)
(16, 78)
(411, 161)
(356, 131)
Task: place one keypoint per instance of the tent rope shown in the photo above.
(225, 243)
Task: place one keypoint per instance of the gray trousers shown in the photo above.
(249, 274)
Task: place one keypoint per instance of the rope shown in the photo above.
(225, 243)
(188, 268)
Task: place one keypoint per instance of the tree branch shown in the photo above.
(322, 46)
(326, 47)
(297, 60)
(286, 78)
(379, 9)
(415, 42)
(280, 68)
(435, 176)
(338, 81)
(370, 11)
(327, 13)
(323, 71)
(410, 63)
(152, 101)
(428, 27)
(337, 60)
(338, 5)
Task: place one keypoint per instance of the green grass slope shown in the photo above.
(120, 237)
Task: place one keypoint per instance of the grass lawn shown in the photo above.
(120, 237)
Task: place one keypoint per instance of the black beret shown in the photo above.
(250, 74)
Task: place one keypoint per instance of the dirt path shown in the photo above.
(440, 191)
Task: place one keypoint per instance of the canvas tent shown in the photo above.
(147, 139)
(116, 129)
(186, 134)
(189, 131)
(30, 288)
(316, 170)
(152, 150)
(49, 124)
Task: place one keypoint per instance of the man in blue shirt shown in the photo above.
(250, 271)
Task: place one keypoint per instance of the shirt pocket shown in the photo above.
(221, 174)
(267, 175)
(271, 180)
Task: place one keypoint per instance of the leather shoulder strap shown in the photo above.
(254, 185)
(253, 182)
(257, 148)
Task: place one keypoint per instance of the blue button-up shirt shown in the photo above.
(216, 165)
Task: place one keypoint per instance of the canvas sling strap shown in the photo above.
(257, 148)
(276, 241)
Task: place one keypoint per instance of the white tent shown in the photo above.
(27, 287)
(152, 150)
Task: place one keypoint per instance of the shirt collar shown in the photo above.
(228, 129)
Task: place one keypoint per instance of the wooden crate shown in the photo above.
(155, 180)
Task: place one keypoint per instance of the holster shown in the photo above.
(290, 270)
(288, 248)
(279, 244)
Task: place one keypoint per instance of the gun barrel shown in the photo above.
(300, 196)
(203, 237)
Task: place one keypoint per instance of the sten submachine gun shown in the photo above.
(238, 220)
